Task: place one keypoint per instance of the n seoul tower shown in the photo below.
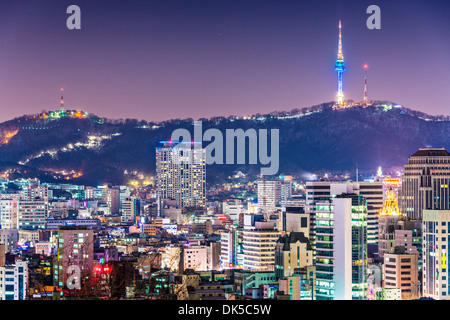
(340, 68)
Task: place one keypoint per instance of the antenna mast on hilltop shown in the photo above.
(365, 82)
(62, 98)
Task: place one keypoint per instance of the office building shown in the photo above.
(131, 208)
(409, 236)
(259, 241)
(435, 246)
(32, 214)
(273, 193)
(372, 191)
(425, 182)
(341, 248)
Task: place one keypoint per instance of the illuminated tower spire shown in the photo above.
(365, 82)
(62, 98)
(390, 207)
(340, 68)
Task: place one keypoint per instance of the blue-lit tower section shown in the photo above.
(340, 68)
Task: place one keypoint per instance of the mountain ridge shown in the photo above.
(74, 146)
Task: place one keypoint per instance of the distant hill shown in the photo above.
(72, 146)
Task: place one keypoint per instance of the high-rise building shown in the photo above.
(341, 248)
(372, 191)
(75, 248)
(436, 244)
(425, 182)
(181, 173)
(259, 240)
(14, 281)
(272, 193)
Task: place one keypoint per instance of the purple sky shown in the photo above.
(157, 60)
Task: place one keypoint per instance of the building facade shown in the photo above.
(400, 270)
(181, 174)
(14, 281)
(436, 243)
(341, 248)
(75, 247)
(425, 182)
(259, 240)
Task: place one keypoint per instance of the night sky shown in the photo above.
(157, 60)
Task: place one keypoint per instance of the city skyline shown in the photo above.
(144, 158)
(157, 61)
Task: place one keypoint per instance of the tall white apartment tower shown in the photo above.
(181, 173)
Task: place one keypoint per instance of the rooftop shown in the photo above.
(431, 152)
(294, 237)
